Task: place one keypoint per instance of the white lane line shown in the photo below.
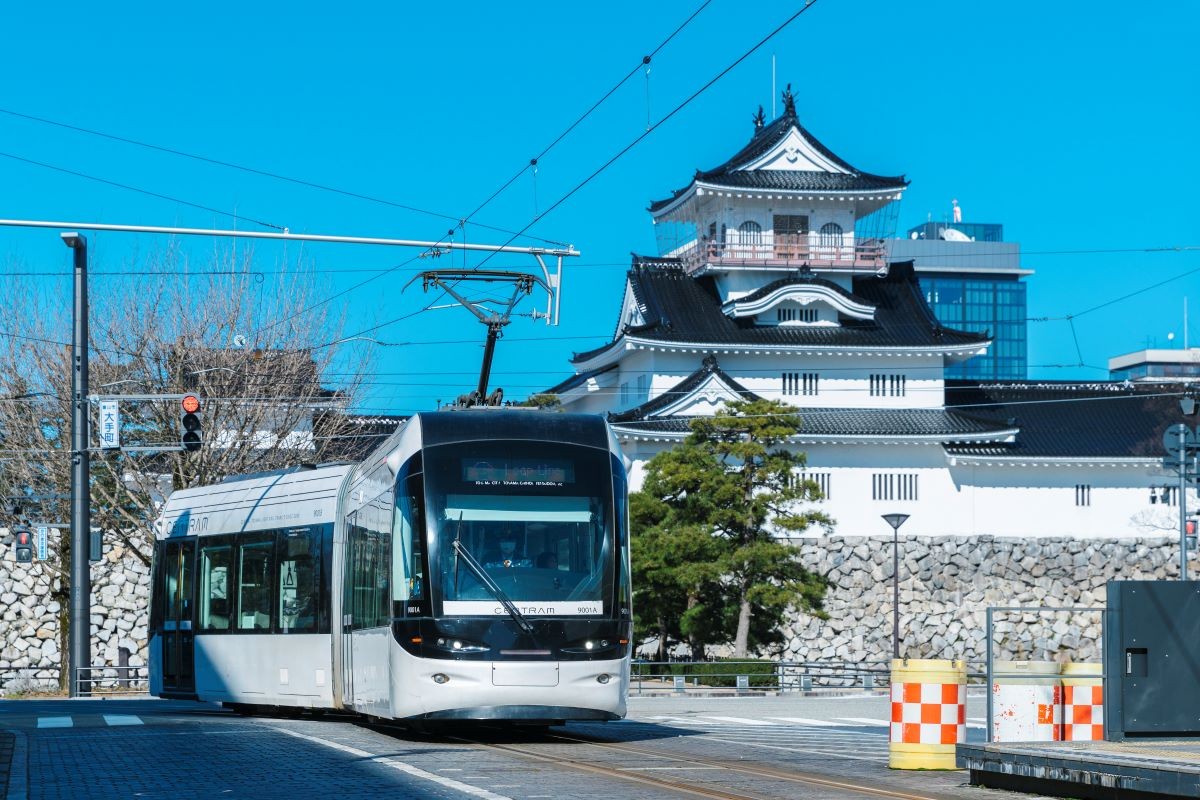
(977, 719)
(55, 722)
(883, 723)
(740, 720)
(416, 772)
(818, 723)
(814, 751)
(122, 719)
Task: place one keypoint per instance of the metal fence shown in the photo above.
(768, 677)
(102, 679)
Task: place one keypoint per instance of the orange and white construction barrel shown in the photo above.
(929, 713)
(1083, 702)
(1026, 702)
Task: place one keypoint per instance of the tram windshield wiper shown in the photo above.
(493, 588)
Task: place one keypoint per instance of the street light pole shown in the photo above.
(895, 520)
(80, 657)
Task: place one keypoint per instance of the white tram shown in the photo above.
(475, 566)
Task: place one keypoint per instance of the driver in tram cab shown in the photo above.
(507, 556)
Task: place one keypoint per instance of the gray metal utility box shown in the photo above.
(1152, 659)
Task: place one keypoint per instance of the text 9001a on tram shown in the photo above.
(475, 566)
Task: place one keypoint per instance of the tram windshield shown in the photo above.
(537, 517)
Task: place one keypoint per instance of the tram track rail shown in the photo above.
(679, 785)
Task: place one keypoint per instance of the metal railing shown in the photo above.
(100, 679)
(785, 250)
(749, 677)
(991, 674)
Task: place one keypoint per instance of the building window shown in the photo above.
(831, 235)
(894, 486)
(792, 314)
(643, 388)
(801, 383)
(883, 385)
(821, 479)
(625, 395)
(1083, 494)
(750, 232)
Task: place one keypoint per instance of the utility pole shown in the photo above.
(80, 656)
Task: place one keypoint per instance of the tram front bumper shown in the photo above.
(526, 690)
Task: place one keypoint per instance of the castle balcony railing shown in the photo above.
(785, 251)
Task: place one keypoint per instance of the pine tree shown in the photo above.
(706, 529)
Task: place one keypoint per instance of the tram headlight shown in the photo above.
(440, 678)
(603, 677)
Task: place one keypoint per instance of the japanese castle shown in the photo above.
(773, 280)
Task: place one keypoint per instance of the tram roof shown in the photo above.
(264, 500)
(464, 425)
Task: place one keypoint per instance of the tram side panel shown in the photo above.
(259, 588)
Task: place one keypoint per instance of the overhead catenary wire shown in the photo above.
(651, 128)
(533, 162)
(149, 193)
(241, 167)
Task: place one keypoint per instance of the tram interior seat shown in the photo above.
(218, 614)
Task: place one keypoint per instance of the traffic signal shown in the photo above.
(23, 544)
(190, 422)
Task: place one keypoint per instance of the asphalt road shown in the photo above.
(768, 747)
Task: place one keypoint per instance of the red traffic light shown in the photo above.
(190, 403)
(22, 537)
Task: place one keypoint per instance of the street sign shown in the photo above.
(43, 534)
(1173, 434)
(110, 425)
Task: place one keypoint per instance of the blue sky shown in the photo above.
(1072, 124)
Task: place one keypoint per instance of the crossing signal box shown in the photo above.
(190, 422)
(23, 545)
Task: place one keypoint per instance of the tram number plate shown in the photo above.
(526, 674)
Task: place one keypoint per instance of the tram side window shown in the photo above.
(407, 536)
(215, 563)
(298, 574)
(254, 585)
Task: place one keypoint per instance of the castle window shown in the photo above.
(787, 314)
(831, 235)
(884, 385)
(1083, 494)
(821, 479)
(750, 232)
(801, 383)
(893, 486)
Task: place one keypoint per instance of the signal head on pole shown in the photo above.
(192, 434)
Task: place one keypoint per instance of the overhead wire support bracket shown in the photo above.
(447, 279)
(552, 282)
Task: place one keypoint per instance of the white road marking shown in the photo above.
(122, 719)
(55, 722)
(813, 751)
(416, 772)
(883, 723)
(819, 723)
(739, 720)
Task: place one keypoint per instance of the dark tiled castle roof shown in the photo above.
(765, 138)
(1063, 419)
(679, 308)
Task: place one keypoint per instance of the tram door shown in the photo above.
(178, 661)
(347, 614)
